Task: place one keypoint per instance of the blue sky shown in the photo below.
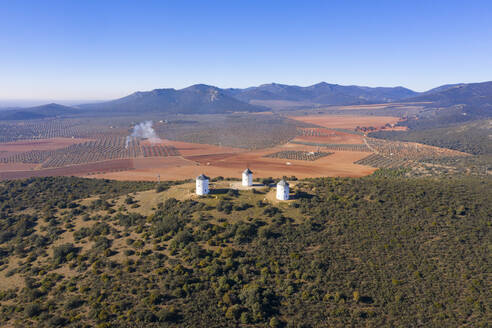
(107, 49)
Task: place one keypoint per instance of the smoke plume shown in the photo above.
(143, 130)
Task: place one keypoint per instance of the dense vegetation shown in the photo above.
(377, 251)
(49, 192)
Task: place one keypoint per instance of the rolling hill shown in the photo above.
(453, 104)
(37, 112)
(457, 116)
(473, 94)
(372, 252)
(442, 88)
(470, 137)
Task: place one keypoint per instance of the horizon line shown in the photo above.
(76, 101)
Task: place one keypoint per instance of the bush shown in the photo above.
(168, 315)
(73, 303)
(161, 187)
(57, 321)
(32, 310)
(63, 252)
(129, 252)
(183, 237)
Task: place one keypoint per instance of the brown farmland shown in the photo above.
(107, 156)
(39, 144)
(231, 164)
(323, 135)
(346, 121)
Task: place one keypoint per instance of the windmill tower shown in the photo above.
(247, 178)
(202, 185)
(283, 190)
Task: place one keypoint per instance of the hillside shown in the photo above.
(471, 137)
(37, 112)
(366, 252)
(453, 104)
(322, 93)
(442, 88)
(471, 94)
(196, 99)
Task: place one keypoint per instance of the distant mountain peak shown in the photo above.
(321, 84)
(201, 87)
(50, 106)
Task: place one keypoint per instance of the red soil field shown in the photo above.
(215, 161)
(8, 149)
(39, 144)
(17, 166)
(347, 121)
(164, 163)
(211, 160)
(188, 148)
(232, 164)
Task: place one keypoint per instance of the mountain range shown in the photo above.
(196, 99)
(473, 94)
(205, 99)
(322, 93)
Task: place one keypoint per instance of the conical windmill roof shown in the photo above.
(202, 177)
(282, 183)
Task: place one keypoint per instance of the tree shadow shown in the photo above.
(219, 191)
(301, 195)
(366, 299)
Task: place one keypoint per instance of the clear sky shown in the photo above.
(107, 49)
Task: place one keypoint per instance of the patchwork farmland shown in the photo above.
(217, 145)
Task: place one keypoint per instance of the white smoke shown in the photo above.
(127, 141)
(143, 130)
